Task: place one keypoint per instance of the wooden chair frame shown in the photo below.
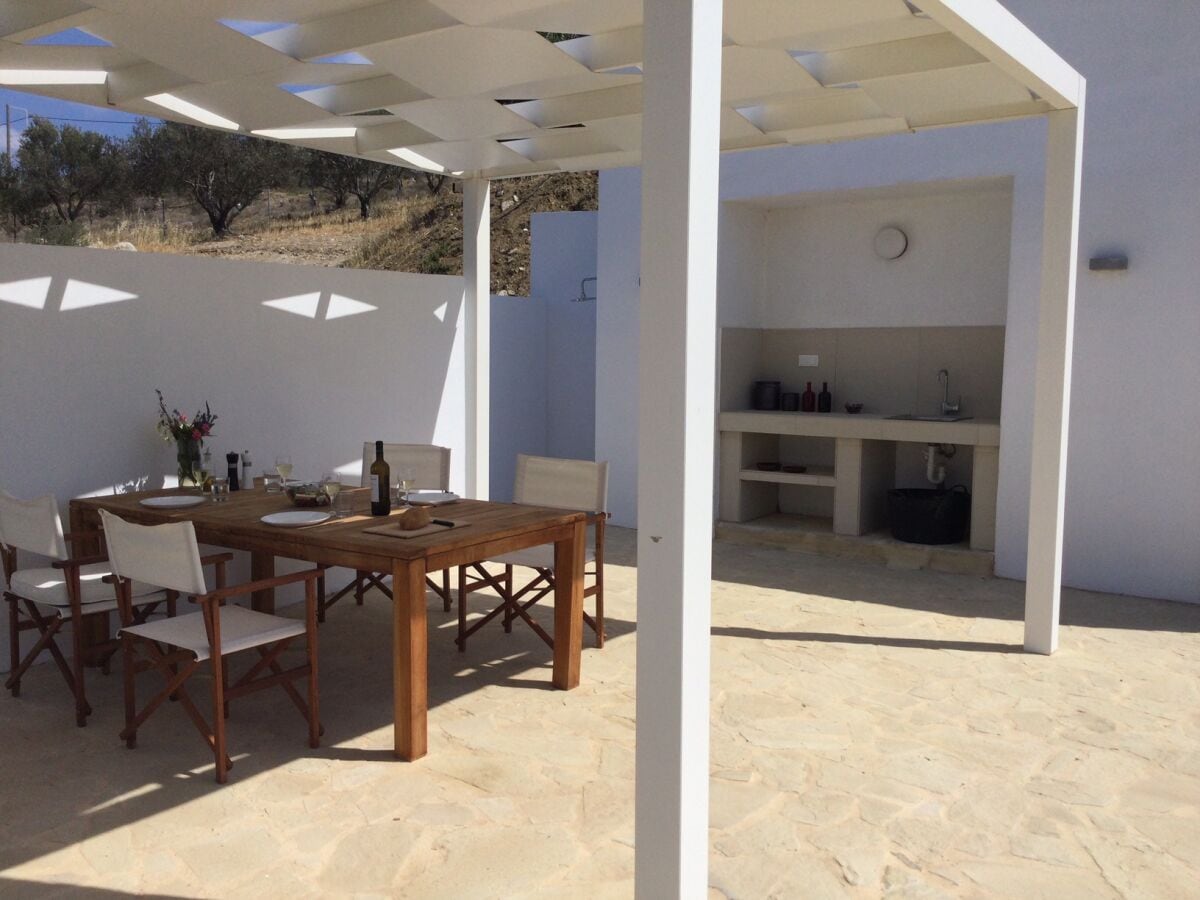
(364, 580)
(514, 604)
(50, 624)
(177, 665)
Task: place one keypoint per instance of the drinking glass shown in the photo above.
(271, 482)
(283, 465)
(404, 478)
(332, 486)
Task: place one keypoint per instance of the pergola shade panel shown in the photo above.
(471, 87)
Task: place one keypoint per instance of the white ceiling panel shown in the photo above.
(822, 25)
(748, 73)
(568, 16)
(608, 50)
(794, 71)
(925, 98)
(462, 118)
(357, 29)
(555, 112)
(359, 96)
(461, 61)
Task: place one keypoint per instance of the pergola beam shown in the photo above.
(1052, 376)
(1001, 37)
(477, 331)
(677, 366)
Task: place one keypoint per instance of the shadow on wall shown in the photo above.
(293, 359)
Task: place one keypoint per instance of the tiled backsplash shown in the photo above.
(888, 370)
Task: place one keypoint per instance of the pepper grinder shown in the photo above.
(247, 475)
(232, 459)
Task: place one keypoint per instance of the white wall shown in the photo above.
(563, 254)
(77, 386)
(1133, 492)
(819, 268)
(618, 242)
(519, 387)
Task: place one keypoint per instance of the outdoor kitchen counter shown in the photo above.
(864, 465)
(864, 426)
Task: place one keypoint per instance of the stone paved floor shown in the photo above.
(875, 734)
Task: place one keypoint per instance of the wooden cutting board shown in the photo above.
(394, 530)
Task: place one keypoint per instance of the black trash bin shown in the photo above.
(929, 515)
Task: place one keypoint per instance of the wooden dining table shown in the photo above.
(483, 530)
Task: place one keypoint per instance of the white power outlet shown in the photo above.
(809, 362)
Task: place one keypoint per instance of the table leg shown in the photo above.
(410, 663)
(568, 607)
(262, 565)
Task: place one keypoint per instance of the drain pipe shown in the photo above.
(935, 471)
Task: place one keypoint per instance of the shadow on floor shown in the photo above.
(86, 783)
(757, 634)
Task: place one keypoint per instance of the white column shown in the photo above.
(477, 273)
(1052, 387)
(680, 162)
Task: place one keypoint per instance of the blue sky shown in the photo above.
(61, 112)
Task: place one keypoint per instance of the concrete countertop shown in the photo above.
(865, 426)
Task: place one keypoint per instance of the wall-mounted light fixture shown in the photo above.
(1109, 262)
(583, 294)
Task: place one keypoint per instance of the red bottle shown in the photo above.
(808, 400)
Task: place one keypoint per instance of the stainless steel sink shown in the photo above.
(909, 417)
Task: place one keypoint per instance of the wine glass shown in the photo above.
(405, 476)
(283, 465)
(332, 487)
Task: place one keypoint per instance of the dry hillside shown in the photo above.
(412, 231)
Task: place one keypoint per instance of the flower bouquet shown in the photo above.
(188, 435)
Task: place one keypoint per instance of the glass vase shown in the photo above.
(187, 459)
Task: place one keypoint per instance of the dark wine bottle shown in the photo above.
(808, 400)
(381, 483)
(824, 399)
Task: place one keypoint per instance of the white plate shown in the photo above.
(296, 518)
(173, 501)
(432, 498)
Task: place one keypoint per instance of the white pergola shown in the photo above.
(472, 89)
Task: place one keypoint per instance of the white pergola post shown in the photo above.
(1052, 392)
(680, 168)
(477, 273)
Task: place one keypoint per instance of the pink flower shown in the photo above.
(196, 435)
(206, 428)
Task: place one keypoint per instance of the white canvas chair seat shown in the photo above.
(572, 484)
(537, 557)
(175, 648)
(241, 629)
(40, 599)
(48, 587)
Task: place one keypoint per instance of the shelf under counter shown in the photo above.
(862, 426)
(816, 476)
(864, 470)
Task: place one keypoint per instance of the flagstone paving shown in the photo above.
(875, 733)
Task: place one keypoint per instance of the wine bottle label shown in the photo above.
(375, 495)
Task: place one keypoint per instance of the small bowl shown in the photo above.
(854, 408)
(767, 466)
(307, 495)
(795, 470)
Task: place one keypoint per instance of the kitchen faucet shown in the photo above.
(948, 408)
